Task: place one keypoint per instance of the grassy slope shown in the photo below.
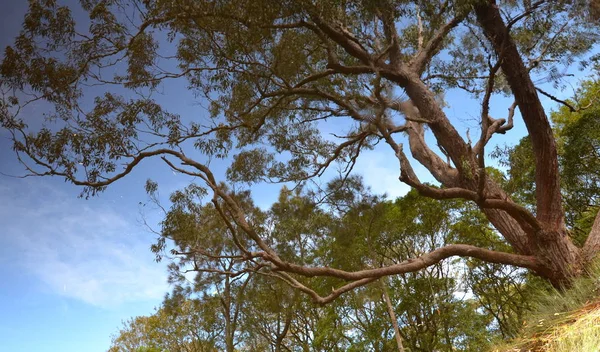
(567, 321)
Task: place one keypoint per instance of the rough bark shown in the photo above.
(541, 242)
(511, 229)
(592, 244)
(548, 197)
(429, 109)
(552, 245)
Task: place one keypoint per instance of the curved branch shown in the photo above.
(416, 264)
(556, 99)
(335, 293)
(419, 149)
(364, 277)
(344, 40)
(423, 57)
(525, 219)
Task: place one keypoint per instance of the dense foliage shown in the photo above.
(462, 305)
(294, 91)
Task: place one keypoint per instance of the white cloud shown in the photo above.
(380, 171)
(78, 249)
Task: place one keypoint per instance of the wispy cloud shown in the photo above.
(81, 250)
(380, 171)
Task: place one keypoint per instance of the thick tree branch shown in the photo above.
(548, 196)
(391, 34)
(424, 56)
(517, 212)
(416, 264)
(430, 110)
(363, 277)
(442, 172)
(341, 38)
(509, 120)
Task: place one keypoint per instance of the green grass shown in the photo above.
(563, 321)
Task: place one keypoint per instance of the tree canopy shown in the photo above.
(274, 77)
(431, 309)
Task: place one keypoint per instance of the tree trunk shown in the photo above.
(592, 244)
(560, 257)
(228, 319)
(281, 334)
(392, 314)
(548, 197)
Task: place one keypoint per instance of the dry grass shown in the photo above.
(563, 321)
(574, 331)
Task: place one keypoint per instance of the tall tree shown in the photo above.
(577, 141)
(429, 312)
(352, 232)
(196, 234)
(274, 74)
(190, 326)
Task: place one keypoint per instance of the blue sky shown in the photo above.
(72, 269)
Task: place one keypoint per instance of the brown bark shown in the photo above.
(592, 244)
(548, 197)
(551, 245)
(511, 229)
(392, 314)
(447, 136)
(416, 264)
(518, 233)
